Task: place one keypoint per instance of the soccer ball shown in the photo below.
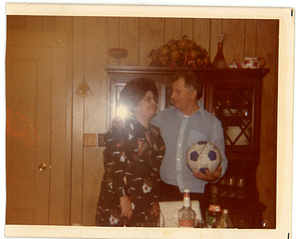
(202, 156)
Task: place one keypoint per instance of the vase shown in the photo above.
(219, 61)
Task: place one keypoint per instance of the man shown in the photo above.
(185, 124)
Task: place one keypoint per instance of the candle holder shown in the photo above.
(118, 54)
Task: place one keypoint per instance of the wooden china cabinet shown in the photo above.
(234, 97)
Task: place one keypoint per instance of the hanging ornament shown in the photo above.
(83, 90)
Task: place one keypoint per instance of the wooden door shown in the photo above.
(38, 132)
(28, 134)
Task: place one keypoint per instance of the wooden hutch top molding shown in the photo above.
(211, 72)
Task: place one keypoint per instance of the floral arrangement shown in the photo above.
(180, 53)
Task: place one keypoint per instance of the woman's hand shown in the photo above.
(126, 209)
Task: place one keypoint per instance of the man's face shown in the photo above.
(182, 97)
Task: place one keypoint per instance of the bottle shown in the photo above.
(186, 215)
(214, 212)
(219, 61)
(225, 221)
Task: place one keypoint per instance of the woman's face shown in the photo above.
(146, 108)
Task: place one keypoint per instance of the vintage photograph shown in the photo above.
(197, 146)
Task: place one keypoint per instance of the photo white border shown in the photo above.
(285, 117)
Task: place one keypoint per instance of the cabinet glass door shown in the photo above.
(234, 107)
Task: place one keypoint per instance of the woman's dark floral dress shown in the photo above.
(132, 159)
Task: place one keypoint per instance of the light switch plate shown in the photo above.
(90, 140)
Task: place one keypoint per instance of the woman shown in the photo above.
(132, 157)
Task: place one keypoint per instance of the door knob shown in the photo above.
(42, 167)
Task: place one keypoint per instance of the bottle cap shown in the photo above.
(214, 189)
(225, 211)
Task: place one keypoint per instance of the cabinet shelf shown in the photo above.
(237, 117)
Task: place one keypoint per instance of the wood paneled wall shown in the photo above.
(89, 39)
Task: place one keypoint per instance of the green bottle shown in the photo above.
(214, 211)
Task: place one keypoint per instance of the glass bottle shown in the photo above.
(186, 215)
(214, 210)
(219, 61)
(225, 221)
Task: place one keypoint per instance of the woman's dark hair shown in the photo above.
(135, 90)
(190, 80)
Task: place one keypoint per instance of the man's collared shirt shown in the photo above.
(179, 133)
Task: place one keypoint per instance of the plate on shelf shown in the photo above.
(226, 112)
(233, 132)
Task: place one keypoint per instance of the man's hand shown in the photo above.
(126, 209)
(209, 176)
